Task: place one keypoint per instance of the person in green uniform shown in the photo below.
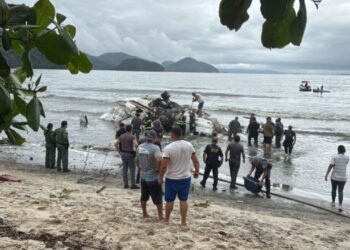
(147, 121)
(62, 143)
(50, 145)
(181, 122)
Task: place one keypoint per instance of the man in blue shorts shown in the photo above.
(177, 164)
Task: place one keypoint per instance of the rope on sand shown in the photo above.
(307, 203)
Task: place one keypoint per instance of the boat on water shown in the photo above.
(305, 86)
(166, 111)
(318, 90)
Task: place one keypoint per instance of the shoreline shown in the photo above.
(112, 219)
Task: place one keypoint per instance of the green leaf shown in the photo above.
(21, 105)
(233, 13)
(42, 89)
(19, 14)
(33, 113)
(45, 12)
(42, 111)
(27, 65)
(4, 67)
(298, 25)
(80, 63)
(54, 47)
(6, 40)
(60, 18)
(274, 10)
(37, 82)
(70, 29)
(5, 100)
(14, 137)
(19, 125)
(277, 34)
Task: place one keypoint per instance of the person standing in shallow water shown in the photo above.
(62, 142)
(136, 126)
(213, 159)
(279, 132)
(253, 131)
(338, 164)
(268, 132)
(50, 145)
(234, 126)
(289, 140)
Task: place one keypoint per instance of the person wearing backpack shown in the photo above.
(289, 140)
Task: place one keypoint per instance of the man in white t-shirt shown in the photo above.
(177, 164)
(339, 164)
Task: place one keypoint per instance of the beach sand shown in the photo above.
(50, 210)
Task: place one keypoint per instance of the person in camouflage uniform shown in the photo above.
(50, 144)
(62, 143)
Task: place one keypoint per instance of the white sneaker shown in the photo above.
(340, 208)
(332, 204)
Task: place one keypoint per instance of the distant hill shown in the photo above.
(138, 64)
(38, 60)
(109, 60)
(114, 61)
(191, 65)
(167, 63)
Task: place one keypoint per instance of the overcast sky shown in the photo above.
(163, 30)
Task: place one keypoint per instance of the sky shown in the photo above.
(163, 30)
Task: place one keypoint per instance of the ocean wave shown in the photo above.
(342, 135)
(289, 115)
(79, 98)
(74, 112)
(173, 92)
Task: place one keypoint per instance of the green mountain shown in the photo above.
(138, 64)
(189, 64)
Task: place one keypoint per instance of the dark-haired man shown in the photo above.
(62, 142)
(148, 160)
(262, 172)
(198, 98)
(136, 126)
(177, 164)
(289, 140)
(213, 159)
(126, 145)
(50, 145)
(236, 154)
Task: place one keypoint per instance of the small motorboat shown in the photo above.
(305, 86)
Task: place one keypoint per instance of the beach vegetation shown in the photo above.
(22, 29)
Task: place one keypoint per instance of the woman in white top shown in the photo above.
(338, 163)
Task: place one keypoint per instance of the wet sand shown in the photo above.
(50, 210)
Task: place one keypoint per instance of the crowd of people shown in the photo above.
(147, 167)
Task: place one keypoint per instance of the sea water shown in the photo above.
(321, 122)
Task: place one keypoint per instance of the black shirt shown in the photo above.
(289, 136)
(120, 132)
(214, 153)
(253, 128)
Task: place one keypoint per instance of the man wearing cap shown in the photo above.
(262, 172)
(148, 160)
(289, 140)
(178, 159)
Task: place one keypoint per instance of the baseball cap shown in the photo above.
(151, 135)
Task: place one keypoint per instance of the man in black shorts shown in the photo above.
(148, 160)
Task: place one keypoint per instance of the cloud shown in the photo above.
(169, 30)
